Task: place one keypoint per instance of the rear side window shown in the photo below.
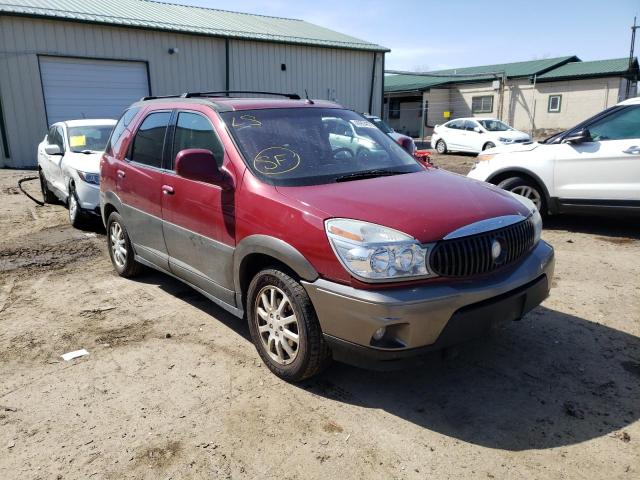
(195, 131)
(120, 127)
(617, 126)
(148, 143)
(456, 124)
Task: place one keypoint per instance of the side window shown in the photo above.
(121, 126)
(617, 126)
(455, 124)
(195, 131)
(148, 144)
(470, 125)
(51, 135)
(57, 138)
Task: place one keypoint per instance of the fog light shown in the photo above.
(379, 333)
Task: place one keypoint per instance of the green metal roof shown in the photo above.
(597, 68)
(187, 19)
(404, 83)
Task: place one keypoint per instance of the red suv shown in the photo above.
(329, 237)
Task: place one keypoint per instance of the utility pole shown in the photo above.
(633, 43)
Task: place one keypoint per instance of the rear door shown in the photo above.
(198, 217)
(606, 170)
(139, 186)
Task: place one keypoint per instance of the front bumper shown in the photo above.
(422, 318)
(88, 196)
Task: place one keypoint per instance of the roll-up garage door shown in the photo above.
(79, 88)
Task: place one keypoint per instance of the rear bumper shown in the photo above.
(424, 318)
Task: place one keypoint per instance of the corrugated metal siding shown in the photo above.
(327, 73)
(332, 74)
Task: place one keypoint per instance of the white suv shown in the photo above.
(592, 166)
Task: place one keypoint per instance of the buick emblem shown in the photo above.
(496, 249)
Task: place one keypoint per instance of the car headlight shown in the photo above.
(375, 253)
(505, 140)
(93, 178)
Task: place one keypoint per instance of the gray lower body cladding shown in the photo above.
(426, 317)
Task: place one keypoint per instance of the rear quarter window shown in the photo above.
(113, 145)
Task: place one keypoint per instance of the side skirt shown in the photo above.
(238, 312)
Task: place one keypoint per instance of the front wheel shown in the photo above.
(488, 145)
(77, 217)
(284, 326)
(528, 189)
(120, 248)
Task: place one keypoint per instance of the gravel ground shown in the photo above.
(173, 388)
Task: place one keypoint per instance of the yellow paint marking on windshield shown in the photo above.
(245, 121)
(276, 160)
(77, 141)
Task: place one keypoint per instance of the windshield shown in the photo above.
(381, 125)
(311, 146)
(494, 125)
(93, 138)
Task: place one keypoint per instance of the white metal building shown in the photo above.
(66, 59)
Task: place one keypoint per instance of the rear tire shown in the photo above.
(284, 326)
(528, 189)
(441, 147)
(120, 248)
(47, 195)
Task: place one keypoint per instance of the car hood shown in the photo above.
(85, 162)
(510, 134)
(426, 205)
(514, 148)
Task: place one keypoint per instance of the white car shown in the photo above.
(69, 165)
(474, 135)
(592, 166)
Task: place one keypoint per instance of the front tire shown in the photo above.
(47, 195)
(528, 189)
(441, 147)
(284, 326)
(488, 145)
(120, 249)
(77, 217)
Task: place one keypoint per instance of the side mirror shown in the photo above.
(580, 136)
(200, 165)
(52, 150)
(477, 129)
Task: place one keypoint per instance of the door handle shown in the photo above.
(634, 150)
(167, 190)
(120, 173)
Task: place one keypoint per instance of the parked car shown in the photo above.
(404, 141)
(594, 166)
(69, 165)
(328, 255)
(474, 135)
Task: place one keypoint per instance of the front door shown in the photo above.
(139, 186)
(605, 169)
(197, 231)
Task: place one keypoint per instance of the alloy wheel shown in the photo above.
(277, 325)
(118, 245)
(530, 193)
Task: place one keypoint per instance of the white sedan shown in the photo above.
(594, 166)
(474, 135)
(69, 165)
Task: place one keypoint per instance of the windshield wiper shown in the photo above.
(368, 174)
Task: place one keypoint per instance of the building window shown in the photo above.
(482, 104)
(394, 109)
(555, 102)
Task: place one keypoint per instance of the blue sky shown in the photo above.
(429, 35)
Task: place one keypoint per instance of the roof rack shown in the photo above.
(291, 96)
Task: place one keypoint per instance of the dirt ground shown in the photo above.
(173, 388)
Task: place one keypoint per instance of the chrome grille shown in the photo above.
(472, 255)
